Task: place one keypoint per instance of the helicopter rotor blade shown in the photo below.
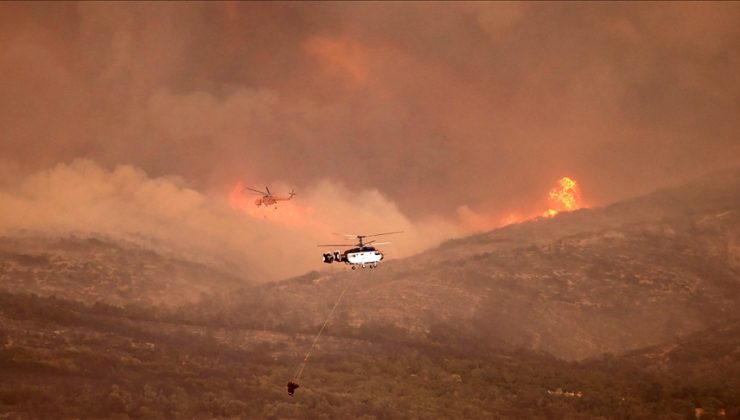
(348, 235)
(337, 245)
(384, 233)
(257, 191)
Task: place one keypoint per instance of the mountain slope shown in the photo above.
(104, 270)
(65, 359)
(609, 280)
(446, 334)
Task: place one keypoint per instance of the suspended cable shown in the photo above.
(316, 338)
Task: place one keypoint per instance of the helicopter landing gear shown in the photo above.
(354, 267)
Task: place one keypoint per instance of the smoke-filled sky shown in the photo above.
(446, 113)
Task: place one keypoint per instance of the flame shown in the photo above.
(566, 196)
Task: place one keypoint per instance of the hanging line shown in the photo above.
(316, 339)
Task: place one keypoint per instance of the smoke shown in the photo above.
(433, 118)
(433, 104)
(164, 214)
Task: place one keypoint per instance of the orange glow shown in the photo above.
(566, 196)
(288, 213)
(237, 198)
(343, 56)
(512, 219)
(550, 213)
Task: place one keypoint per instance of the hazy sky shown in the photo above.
(434, 106)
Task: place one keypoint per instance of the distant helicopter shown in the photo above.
(361, 255)
(268, 199)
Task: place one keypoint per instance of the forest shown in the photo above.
(62, 358)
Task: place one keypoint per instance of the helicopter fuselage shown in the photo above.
(269, 200)
(362, 257)
(266, 201)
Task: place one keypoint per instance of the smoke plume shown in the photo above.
(458, 114)
(164, 214)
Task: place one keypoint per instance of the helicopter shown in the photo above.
(267, 198)
(363, 254)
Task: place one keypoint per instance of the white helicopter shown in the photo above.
(361, 255)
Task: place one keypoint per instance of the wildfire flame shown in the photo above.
(566, 196)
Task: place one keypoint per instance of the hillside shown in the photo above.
(628, 311)
(65, 359)
(90, 269)
(609, 280)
